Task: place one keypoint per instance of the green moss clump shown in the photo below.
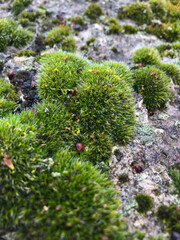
(57, 34)
(140, 12)
(175, 175)
(19, 5)
(172, 71)
(59, 72)
(159, 8)
(129, 29)
(146, 56)
(102, 87)
(78, 20)
(121, 71)
(153, 84)
(114, 26)
(7, 98)
(169, 32)
(93, 11)
(145, 203)
(170, 216)
(69, 44)
(123, 178)
(90, 41)
(27, 53)
(93, 86)
(11, 34)
(84, 48)
(163, 48)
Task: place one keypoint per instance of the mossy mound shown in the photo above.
(159, 8)
(129, 29)
(12, 34)
(170, 216)
(7, 98)
(57, 34)
(59, 72)
(114, 26)
(172, 71)
(167, 31)
(73, 199)
(93, 93)
(69, 44)
(19, 5)
(140, 12)
(153, 84)
(121, 70)
(146, 56)
(93, 11)
(145, 203)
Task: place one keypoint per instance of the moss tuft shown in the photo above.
(27, 53)
(145, 203)
(114, 26)
(19, 5)
(170, 216)
(159, 8)
(140, 12)
(69, 44)
(153, 84)
(93, 11)
(129, 29)
(175, 175)
(146, 56)
(57, 34)
(11, 34)
(172, 71)
(78, 20)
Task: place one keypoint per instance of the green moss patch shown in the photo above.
(145, 203)
(12, 34)
(170, 216)
(93, 11)
(57, 34)
(153, 84)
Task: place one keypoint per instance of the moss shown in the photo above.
(153, 84)
(11, 34)
(122, 13)
(145, 203)
(123, 178)
(93, 11)
(58, 73)
(129, 29)
(84, 48)
(69, 44)
(90, 41)
(57, 34)
(21, 37)
(121, 71)
(146, 56)
(159, 8)
(170, 216)
(175, 175)
(7, 98)
(78, 20)
(114, 91)
(163, 47)
(169, 32)
(140, 12)
(27, 53)
(19, 5)
(172, 71)
(114, 26)
(174, 2)
(74, 187)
